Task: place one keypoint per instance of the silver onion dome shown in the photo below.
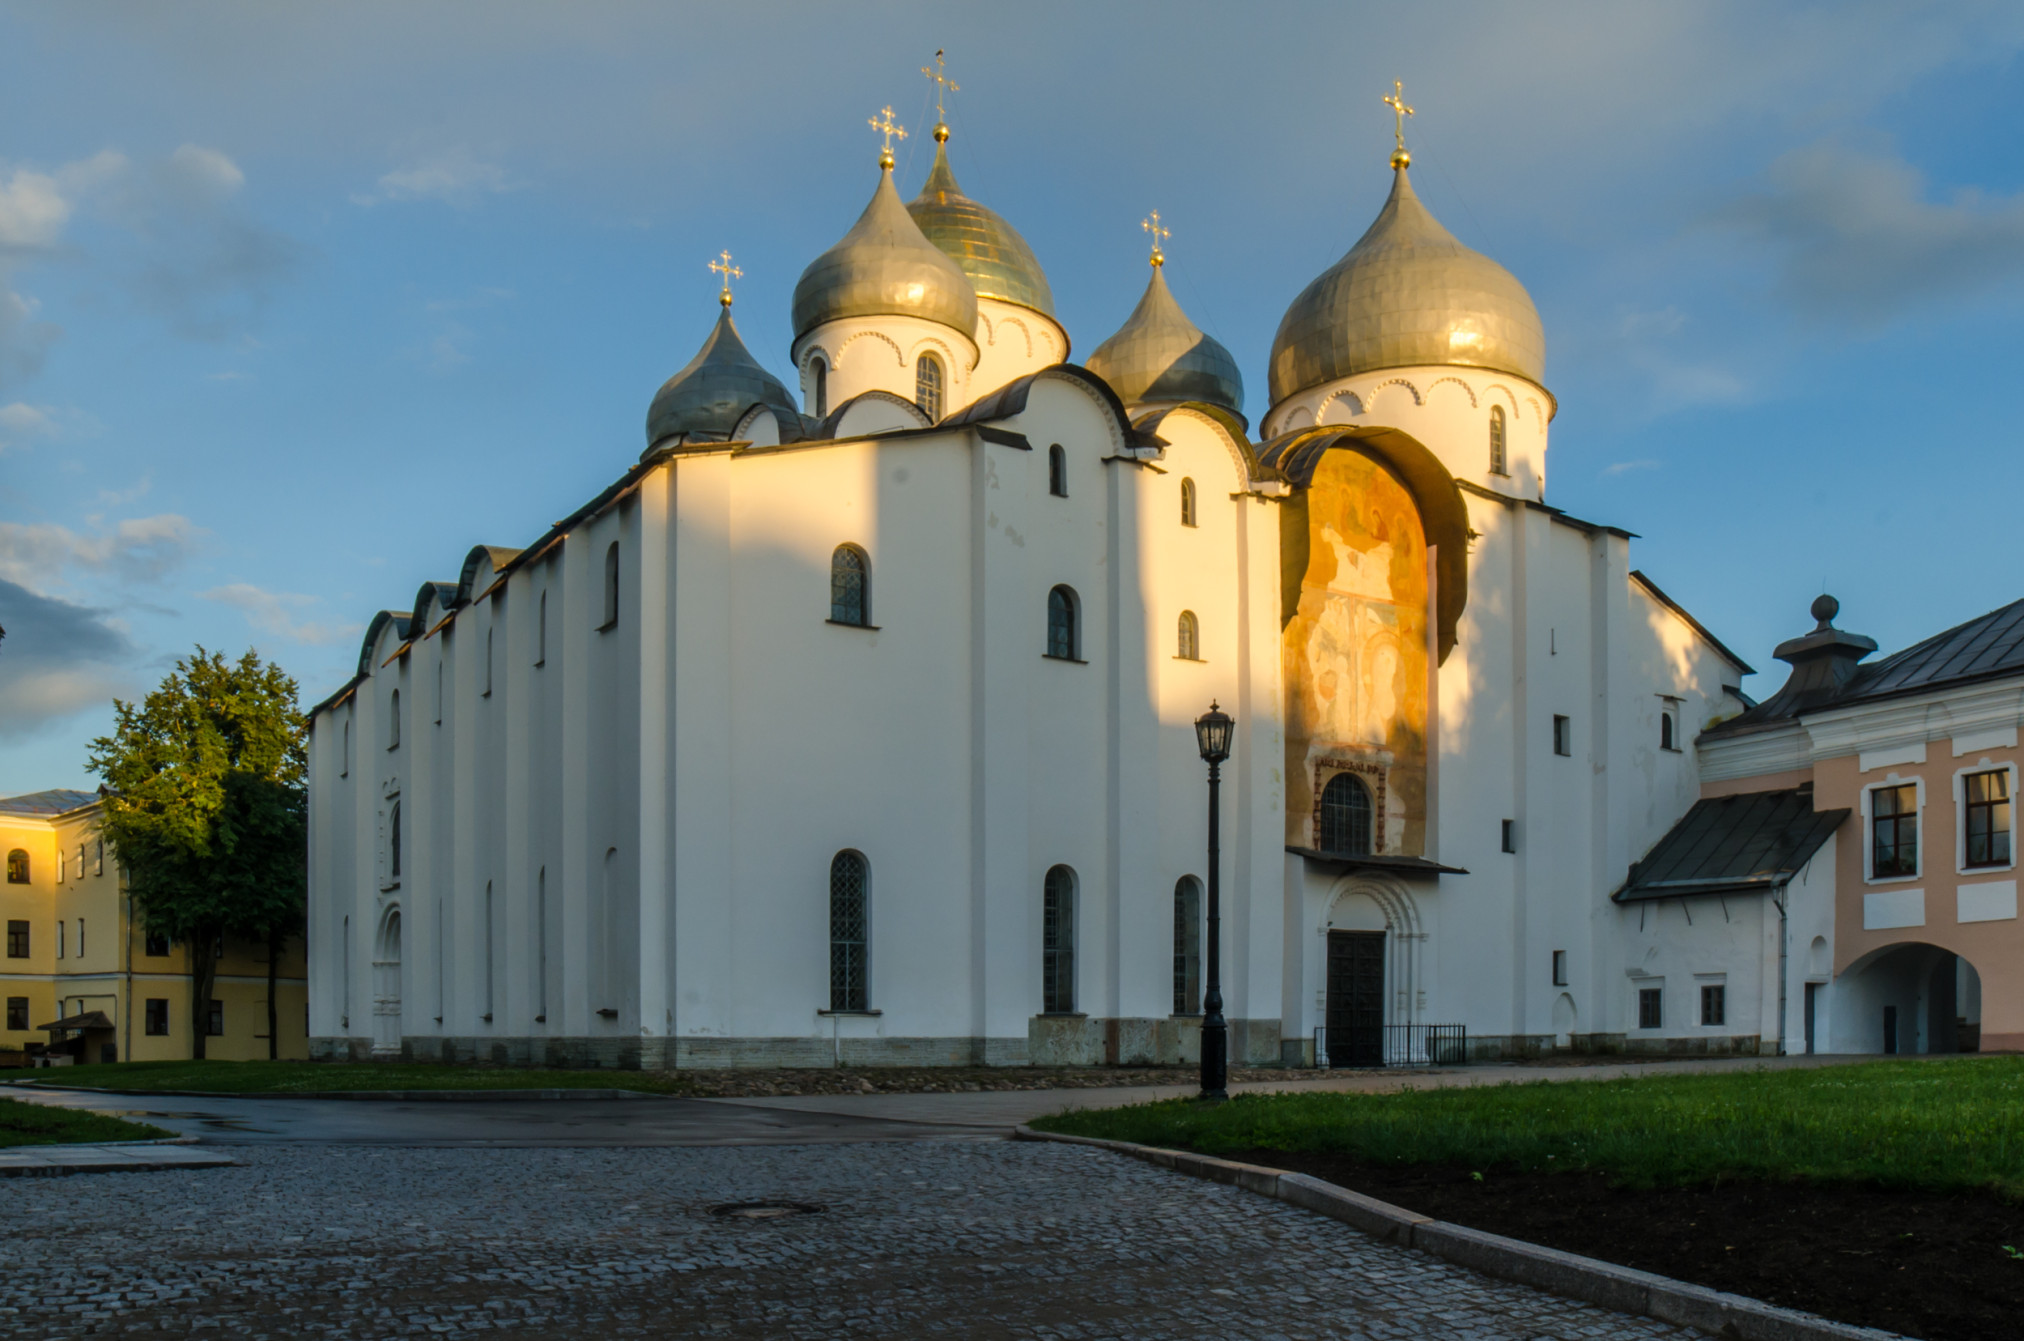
(1158, 355)
(1407, 294)
(715, 388)
(984, 247)
(884, 266)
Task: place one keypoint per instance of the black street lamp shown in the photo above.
(1212, 734)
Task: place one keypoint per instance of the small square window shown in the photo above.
(1714, 1004)
(1649, 1012)
(1563, 735)
(158, 1016)
(17, 940)
(17, 1012)
(1560, 968)
(1510, 835)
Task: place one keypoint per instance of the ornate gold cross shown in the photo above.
(943, 84)
(1396, 100)
(889, 128)
(1160, 235)
(730, 272)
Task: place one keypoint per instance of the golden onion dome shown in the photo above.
(884, 267)
(1158, 355)
(986, 248)
(713, 391)
(1407, 294)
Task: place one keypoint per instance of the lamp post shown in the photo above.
(1212, 735)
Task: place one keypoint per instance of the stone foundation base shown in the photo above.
(1176, 1040)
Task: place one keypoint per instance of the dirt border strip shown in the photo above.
(1575, 1277)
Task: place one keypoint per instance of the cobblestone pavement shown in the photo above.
(935, 1239)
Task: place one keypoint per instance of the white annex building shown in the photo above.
(855, 722)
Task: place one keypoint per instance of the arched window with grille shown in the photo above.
(1057, 949)
(849, 932)
(928, 385)
(1057, 471)
(1188, 946)
(610, 586)
(1187, 502)
(1345, 816)
(818, 383)
(1189, 646)
(1497, 441)
(1064, 635)
(849, 586)
(17, 866)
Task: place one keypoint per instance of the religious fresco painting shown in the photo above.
(1355, 651)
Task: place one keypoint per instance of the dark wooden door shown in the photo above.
(1812, 1000)
(1355, 998)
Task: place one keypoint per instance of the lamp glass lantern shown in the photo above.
(1212, 734)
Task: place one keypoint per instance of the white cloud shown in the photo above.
(32, 210)
(21, 421)
(38, 554)
(59, 658)
(276, 612)
(455, 176)
(24, 341)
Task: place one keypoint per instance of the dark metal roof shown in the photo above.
(58, 801)
(91, 1019)
(1741, 844)
(1343, 863)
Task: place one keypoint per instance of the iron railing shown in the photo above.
(1391, 1045)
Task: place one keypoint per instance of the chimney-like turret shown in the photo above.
(1823, 661)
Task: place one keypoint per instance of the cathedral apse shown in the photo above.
(1355, 650)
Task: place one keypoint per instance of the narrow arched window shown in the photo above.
(1063, 636)
(344, 755)
(849, 586)
(490, 916)
(541, 632)
(1057, 471)
(1666, 730)
(818, 382)
(541, 946)
(394, 843)
(1190, 648)
(1187, 502)
(394, 720)
(439, 685)
(1188, 946)
(610, 586)
(1345, 816)
(1057, 947)
(849, 933)
(17, 866)
(928, 385)
(488, 664)
(1497, 441)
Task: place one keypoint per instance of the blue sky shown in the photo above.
(299, 303)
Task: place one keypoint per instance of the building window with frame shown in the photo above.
(1057, 942)
(1650, 1008)
(1057, 471)
(818, 378)
(98, 857)
(1064, 634)
(849, 932)
(17, 866)
(439, 685)
(1560, 968)
(1894, 831)
(540, 637)
(928, 385)
(1188, 503)
(158, 1016)
(610, 586)
(155, 946)
(1669, 728)
(80, 938)
(394, 720)
(1497, 462)
(1346, 816)
(214, 1019)
(17, 1012)
(1188, 946)
(344, 754)
(1563, 735)
(850, 587)
(394, 845)
(1189, 644)
(17, 939)
(1987, 817)
(61, 948)
(487, 692)
(1714, 1003)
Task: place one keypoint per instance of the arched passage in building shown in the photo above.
(1370, 967)
(386, 986)
(1906, 998)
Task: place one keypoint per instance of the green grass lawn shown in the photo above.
(1936, 1125)
(32, 1124)
(323, 1077)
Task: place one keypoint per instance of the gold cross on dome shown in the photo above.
(1396, 100)
(1160, 235)
(730, 272)
(943, 84)
(886, 126)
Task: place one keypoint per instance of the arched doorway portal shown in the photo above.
(386, 987)
(1370, 964)
(1907, 998)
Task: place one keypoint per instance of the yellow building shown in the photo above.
(74, 948)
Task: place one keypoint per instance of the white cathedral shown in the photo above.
(857, 727)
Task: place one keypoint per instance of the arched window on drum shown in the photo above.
(1345, 816)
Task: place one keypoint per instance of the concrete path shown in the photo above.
(31, 1161)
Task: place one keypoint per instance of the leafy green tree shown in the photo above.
(206, 805)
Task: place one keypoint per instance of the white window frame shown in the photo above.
(1638, 985)
(1720, 980)
(1869, 835)
(1961, 775)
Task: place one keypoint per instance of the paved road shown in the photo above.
(973, 1239)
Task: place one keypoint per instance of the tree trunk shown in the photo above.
(273, 1008)
(203, 973)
